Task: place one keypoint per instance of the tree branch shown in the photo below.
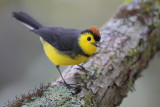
(129, 40)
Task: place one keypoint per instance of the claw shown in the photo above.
(83, 69)
(74, 89)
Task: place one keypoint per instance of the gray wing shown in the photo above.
(64, 40)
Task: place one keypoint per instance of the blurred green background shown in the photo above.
(23, 63)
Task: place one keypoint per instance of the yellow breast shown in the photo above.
(61, 59)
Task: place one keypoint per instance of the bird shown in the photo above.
(64, 46)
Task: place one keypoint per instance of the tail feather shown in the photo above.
(27, 20)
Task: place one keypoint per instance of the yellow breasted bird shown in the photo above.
(64, 46)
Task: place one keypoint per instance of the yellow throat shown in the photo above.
(86, 45)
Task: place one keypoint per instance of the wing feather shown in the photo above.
(64, 40)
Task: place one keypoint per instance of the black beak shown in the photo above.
(96, 44)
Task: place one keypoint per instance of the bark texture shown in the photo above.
(129, 40)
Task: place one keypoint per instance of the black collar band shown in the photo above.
(86, 55)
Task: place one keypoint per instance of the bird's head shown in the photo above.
(89, 40)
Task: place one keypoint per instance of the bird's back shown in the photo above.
(61, 38)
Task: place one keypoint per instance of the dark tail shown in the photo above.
(26, 20)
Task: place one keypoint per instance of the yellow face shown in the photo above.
(88, 43)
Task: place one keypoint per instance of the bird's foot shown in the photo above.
(72, 87)
(85, 70)
(75, 89)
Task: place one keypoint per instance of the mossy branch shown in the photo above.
(129, 41)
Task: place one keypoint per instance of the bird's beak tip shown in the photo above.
(96, 44)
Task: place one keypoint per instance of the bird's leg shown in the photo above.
(57, 66)
(85, 70)
(77, 88)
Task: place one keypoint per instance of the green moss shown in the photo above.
(88, 102)
(149, 51)
(148, 6)
(154, 41)
(157, 2)
(156, 25)
(83, 76)
(130, 85)
(100, 74)
(127, 2)
(95, 70)
(111, 58)
(129, 59)
(133, 52)
(148, 10)
(58, 96)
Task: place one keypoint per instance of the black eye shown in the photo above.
(89, 38)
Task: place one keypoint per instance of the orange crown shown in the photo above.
(95, 30)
